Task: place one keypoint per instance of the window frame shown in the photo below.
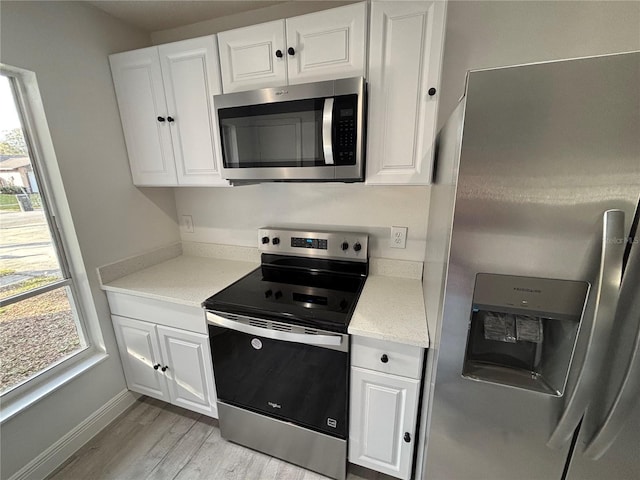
(60, 223)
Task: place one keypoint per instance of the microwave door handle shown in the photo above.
(320, 340)
(629, 391)
(327, 129)
(606, 298)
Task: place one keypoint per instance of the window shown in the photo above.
(41, 321)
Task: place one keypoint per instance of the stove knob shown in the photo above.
(278, 294)
(268, 293)
(357, 247)
(275, 240)
(344, 246)
(265, 240)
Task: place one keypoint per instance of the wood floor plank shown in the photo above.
(176, 459)
(157, 441)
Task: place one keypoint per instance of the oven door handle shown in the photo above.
(307, 339)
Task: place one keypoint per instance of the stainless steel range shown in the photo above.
(281, 351)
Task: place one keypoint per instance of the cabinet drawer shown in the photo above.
(159, 312)
(404, 360)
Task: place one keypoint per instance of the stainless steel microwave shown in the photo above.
(307, 132)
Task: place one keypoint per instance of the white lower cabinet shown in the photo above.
(167, 363)
(384, 408)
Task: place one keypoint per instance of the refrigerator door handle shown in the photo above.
(606, 300)
(629, 391)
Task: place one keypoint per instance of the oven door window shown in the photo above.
(283, 134)
(298, 383)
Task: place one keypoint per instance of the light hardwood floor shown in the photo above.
(155, 440)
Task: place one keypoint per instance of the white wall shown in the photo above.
(233, 215)
(66, 44)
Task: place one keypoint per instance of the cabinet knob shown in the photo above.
(279, 53)
(165, 368)
(156, 366)
(291, 51)
(431, 92)
(407, 437)
(170, 119)
(161, 119)
(384, 358)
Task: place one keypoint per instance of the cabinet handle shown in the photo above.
(384, 358)
(165, 368)
(170, 119)
(279, 53)
(407, 437)
(291, 51)
(156, 366)
(431, 92)
(161, 119)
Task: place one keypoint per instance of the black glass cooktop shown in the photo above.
(311, 292)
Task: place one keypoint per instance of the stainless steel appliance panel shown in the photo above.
(301, 143)
(546, 150)
(321, 453)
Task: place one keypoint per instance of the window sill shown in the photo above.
(31, 395)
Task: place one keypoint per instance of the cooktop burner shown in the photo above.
(316, 286)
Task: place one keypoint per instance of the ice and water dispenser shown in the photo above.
(523, 331)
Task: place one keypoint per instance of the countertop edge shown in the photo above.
(379, 336)
(138, 293)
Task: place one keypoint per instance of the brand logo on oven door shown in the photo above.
(332, 422)
(256, 343)
(274, 405)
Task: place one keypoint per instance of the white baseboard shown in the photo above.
(56, 454)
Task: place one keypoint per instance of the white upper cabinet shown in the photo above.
(143, 111)
(327, 45)
(191, 74)
(405, 57)
(253, 57)
(165, 96)
(318, 46)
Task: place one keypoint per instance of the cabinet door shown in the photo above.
(383, 412)
(190, 371)
(328, 44)
(248, 57)
(191, 75)
(405, 56)
(139, 352)
(138, 83)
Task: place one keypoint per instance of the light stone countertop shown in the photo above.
(391, 309)
(391, 306)
(188, 280)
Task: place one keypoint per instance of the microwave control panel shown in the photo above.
(345, 131)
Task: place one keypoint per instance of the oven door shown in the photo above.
(291, 373)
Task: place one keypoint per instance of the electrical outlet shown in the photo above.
(186, 222)
(398, 237)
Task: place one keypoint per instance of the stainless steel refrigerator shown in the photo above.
(535, 367)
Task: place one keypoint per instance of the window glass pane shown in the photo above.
(38, 330)
(36, 333)
(28, 256)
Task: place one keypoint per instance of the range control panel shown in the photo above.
(333, 245)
